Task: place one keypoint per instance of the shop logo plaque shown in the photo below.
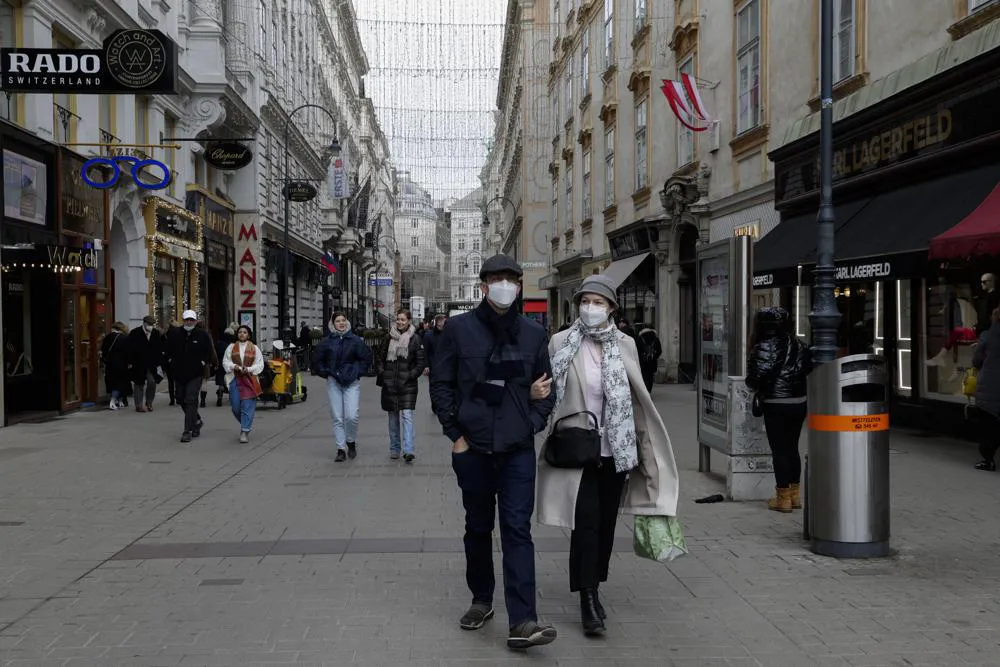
(228, 155)
(299, 192)
(137, 167)
(135, 58)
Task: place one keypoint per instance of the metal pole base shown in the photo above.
(704, 459)
(850, 549)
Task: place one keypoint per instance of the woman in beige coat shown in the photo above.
(595, 368)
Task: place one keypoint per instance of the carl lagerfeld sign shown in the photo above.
(131, 61)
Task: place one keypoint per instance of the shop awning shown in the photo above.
(896, 223)
(620, 270)
(977, 235)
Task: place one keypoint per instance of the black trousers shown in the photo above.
(783, 423)
(988, 427)
(189, 392)
(592, 540)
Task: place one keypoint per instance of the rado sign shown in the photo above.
(131, 61)
(228, 155)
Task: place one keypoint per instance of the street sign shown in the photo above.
(380, 279)
(298, 192)
(228, 155)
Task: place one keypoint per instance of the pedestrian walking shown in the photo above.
(227, 338)
(776, 372)
(145, 356)
(212, 367)
(650, 351)
(114, 356)
(599, 387)
(189, 354)
(173, 391)
(304, 342)
(243, 362)
(341, 359)
(430, 338)
(986, 361)
(484, 366)
(398, 372)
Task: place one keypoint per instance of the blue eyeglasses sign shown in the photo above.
(137, 166)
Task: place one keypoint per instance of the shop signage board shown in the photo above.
(866, 269)
(379, 279)
(248, 256)
(915, 132)
(299, 192)
(135, 166)
(130, 61)
(25, 188)
(228, 155)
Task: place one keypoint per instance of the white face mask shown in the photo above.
(147, 328)
(592, 315)
(502, 294)
(188, 327)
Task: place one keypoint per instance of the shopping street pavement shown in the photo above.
(121, 546)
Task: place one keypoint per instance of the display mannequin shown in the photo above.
(991, 301)
(963, 320)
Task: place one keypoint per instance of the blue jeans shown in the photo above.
(243, 409)
(344, 404)
(510, 478)
(404, 417)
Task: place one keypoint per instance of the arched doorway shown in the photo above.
(687, 316)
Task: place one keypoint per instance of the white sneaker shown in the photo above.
(115, 404)
(244, 436)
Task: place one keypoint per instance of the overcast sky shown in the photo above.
(433, 79)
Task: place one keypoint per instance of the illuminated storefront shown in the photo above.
(175, 244)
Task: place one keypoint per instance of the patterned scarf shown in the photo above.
(399, 346)
(248, 384)
(619, 419)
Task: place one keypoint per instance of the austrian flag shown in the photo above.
(685, 101)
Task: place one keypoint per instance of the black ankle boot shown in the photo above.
(218, 398)
(598, 606)
(204, 394)
(593, 626)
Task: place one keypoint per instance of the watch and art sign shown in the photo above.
(131, 61)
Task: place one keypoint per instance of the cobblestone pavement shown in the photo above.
(121, 546)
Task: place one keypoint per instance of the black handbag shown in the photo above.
(573, 447)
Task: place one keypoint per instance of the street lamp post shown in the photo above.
(825, 318)
(486, 213)
(285, 323)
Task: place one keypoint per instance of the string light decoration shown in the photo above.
(166, 244)
(55, 268)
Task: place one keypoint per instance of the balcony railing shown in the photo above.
(62, 130)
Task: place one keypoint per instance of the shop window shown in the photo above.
(950, 324)
(856, 303)
(72, 393)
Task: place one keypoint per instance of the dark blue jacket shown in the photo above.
(429, 342)
(343, 358)
(461, 354)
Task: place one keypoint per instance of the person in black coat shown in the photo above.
(987, 362)
(776, 370)
(398, 371)
(114, 355)
(432, 336)
(189, 354)
(145, 354)
(650, 351)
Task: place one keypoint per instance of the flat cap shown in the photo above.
(500, 264)
(149, 319)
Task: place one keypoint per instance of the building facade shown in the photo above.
(466, 248)
(417, 236)
(211, 239)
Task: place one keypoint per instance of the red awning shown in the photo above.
(977, 235)
(536, 306)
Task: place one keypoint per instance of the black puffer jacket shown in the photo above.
(398, 378)
(779, 362)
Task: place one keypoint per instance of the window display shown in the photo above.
(950, 332)
(714, 303)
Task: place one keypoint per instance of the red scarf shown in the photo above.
(247, 383)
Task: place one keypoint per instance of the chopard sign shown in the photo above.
(863, 271)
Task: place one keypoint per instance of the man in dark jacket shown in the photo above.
(987, 362)
(189, 353)
(431, 337)
(485, 363)
(145, 354)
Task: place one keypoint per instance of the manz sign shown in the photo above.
(248, 252)
(131, 61)
(228, 156)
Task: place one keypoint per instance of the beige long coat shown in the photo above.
(652, 486)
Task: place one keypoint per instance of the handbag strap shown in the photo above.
(597, 423)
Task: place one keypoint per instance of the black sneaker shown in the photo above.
(530, 634)
(476, 617)
(186, 436)
(341, 456)
(196, 432)
(408, 458)
(989, 466)
(352, 450)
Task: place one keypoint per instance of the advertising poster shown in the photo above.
(24, 188)
(713, 299)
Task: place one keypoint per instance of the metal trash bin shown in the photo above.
(847, 483)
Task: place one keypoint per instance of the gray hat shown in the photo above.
(499, 264)
(597, 284)
(149, 319)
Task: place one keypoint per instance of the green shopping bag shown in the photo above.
(658, 538)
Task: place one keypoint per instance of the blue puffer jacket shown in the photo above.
(461, 356)
(343, 357)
